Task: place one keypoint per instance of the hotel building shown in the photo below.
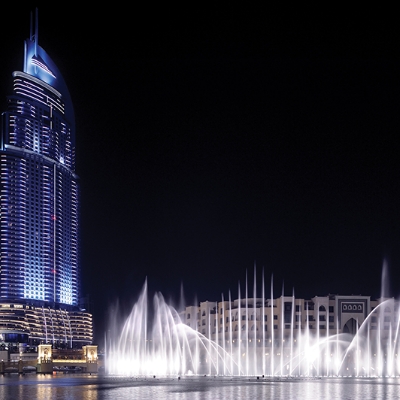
(262, 319)
(39, 210)
(331, 335)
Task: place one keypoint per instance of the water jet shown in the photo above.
(333, 335)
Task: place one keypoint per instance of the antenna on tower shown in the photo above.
(36, 30)
(30, 28)
(37, 26)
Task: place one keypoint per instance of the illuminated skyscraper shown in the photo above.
(39, 188)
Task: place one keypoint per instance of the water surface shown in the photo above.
(96, 387)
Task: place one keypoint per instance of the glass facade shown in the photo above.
(39, 187)
(39, 208)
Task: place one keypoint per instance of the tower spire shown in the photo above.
(36, 30)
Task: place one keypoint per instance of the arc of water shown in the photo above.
(353, 342)
(176, 347)
(396, 346)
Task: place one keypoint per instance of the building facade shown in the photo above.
(287, 317)
(332, 335)
(39, 208)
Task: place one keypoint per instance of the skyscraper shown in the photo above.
(39, 215)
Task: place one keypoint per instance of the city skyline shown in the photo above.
(207, 145)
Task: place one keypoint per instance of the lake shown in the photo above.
(97, 387)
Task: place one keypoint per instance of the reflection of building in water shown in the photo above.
(286, 316)
(40, 271)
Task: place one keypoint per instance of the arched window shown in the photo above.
(322, 308)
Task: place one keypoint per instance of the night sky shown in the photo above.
(212, 141)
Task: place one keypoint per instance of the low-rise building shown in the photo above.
(287, 316)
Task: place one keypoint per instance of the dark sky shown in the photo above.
(210, 141)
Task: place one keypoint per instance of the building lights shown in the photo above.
(39, 203)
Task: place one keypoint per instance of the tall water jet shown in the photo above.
(163, 346)
(334, 335)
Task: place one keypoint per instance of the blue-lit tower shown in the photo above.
(39, 215)
(39, 187)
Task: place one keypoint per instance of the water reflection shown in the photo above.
(85, 387)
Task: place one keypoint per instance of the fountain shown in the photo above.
(165, 347)
(258, 336)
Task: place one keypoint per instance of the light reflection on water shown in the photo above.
(93, 387)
